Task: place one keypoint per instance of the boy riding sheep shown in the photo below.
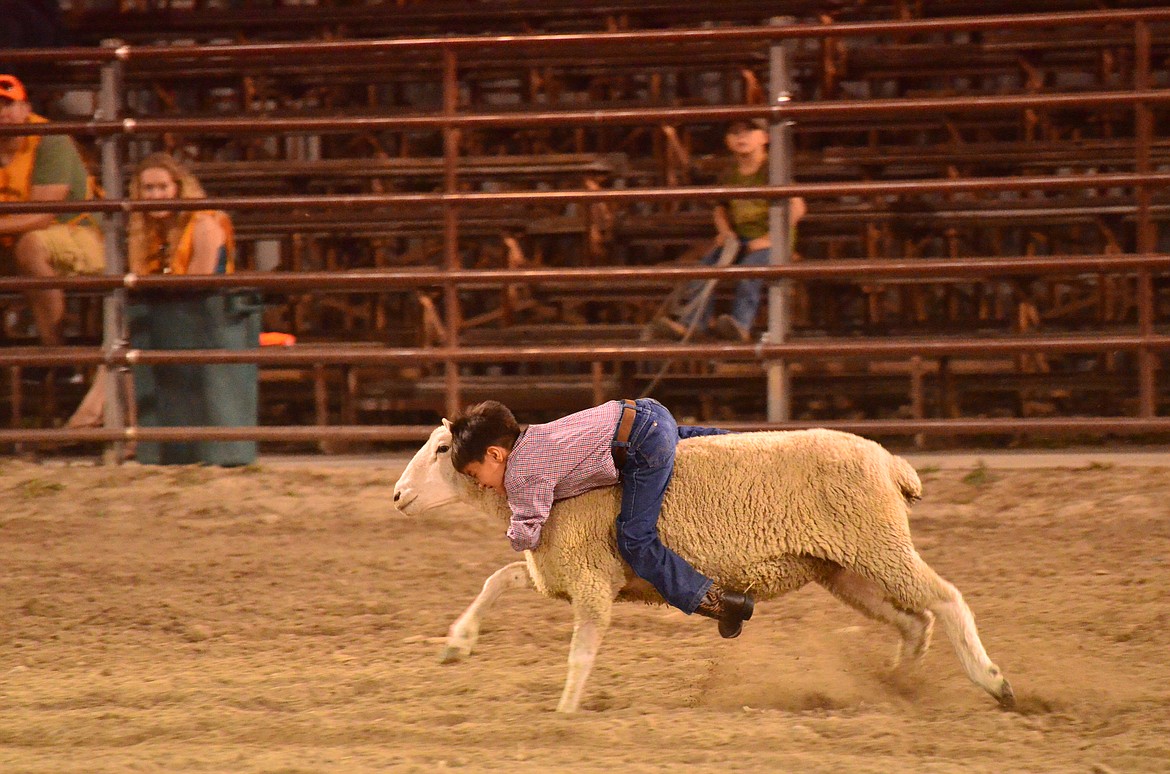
(631, 442)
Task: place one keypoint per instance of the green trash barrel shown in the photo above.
(196, 395)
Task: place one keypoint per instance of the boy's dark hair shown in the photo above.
(477, 427)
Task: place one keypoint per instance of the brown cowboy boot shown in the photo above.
(729, 608)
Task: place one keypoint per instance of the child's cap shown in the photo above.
(12, 88)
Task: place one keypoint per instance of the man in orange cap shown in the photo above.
(44, 168)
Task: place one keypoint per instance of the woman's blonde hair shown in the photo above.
(145, 237)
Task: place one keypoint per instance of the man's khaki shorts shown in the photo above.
(74, 249)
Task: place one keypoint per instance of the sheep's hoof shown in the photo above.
(451, 653)
(1007, 697)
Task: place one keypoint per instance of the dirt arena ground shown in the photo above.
(285, 619)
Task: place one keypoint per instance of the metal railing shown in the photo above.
(448, 54)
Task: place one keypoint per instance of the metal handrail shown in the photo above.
(611, 196)
(799, 349)
(381, 280)
(840, 110)
(628, 40)
(1096, 426)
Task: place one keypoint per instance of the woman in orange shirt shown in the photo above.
(166, 242)
(185, 242)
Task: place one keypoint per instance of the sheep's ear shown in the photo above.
(446, 423)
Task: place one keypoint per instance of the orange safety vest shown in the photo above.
(180, 258)
(16, 175)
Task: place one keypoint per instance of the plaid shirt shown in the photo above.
(557, 460)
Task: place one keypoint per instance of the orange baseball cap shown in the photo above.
(12, 88)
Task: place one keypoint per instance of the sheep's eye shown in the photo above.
(443, 449)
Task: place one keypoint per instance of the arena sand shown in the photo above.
(288, 620)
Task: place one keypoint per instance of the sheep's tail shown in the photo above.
(905, 478)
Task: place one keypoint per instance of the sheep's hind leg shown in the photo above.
(959, 624)
(867, 597)
(462, 635)
(914, 585)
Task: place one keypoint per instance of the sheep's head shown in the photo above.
(430, 480)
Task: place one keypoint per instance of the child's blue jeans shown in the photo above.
(748, 292)
(649, 466)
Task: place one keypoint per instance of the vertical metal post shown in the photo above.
(114, 336)
(779, 173)
(451, 227)
(1146, 239)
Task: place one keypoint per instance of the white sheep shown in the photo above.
(766, 512)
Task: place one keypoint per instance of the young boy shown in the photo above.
(746, 222)
(628, 441)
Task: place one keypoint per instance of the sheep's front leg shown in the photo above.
(462, 635)
(591, 620)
